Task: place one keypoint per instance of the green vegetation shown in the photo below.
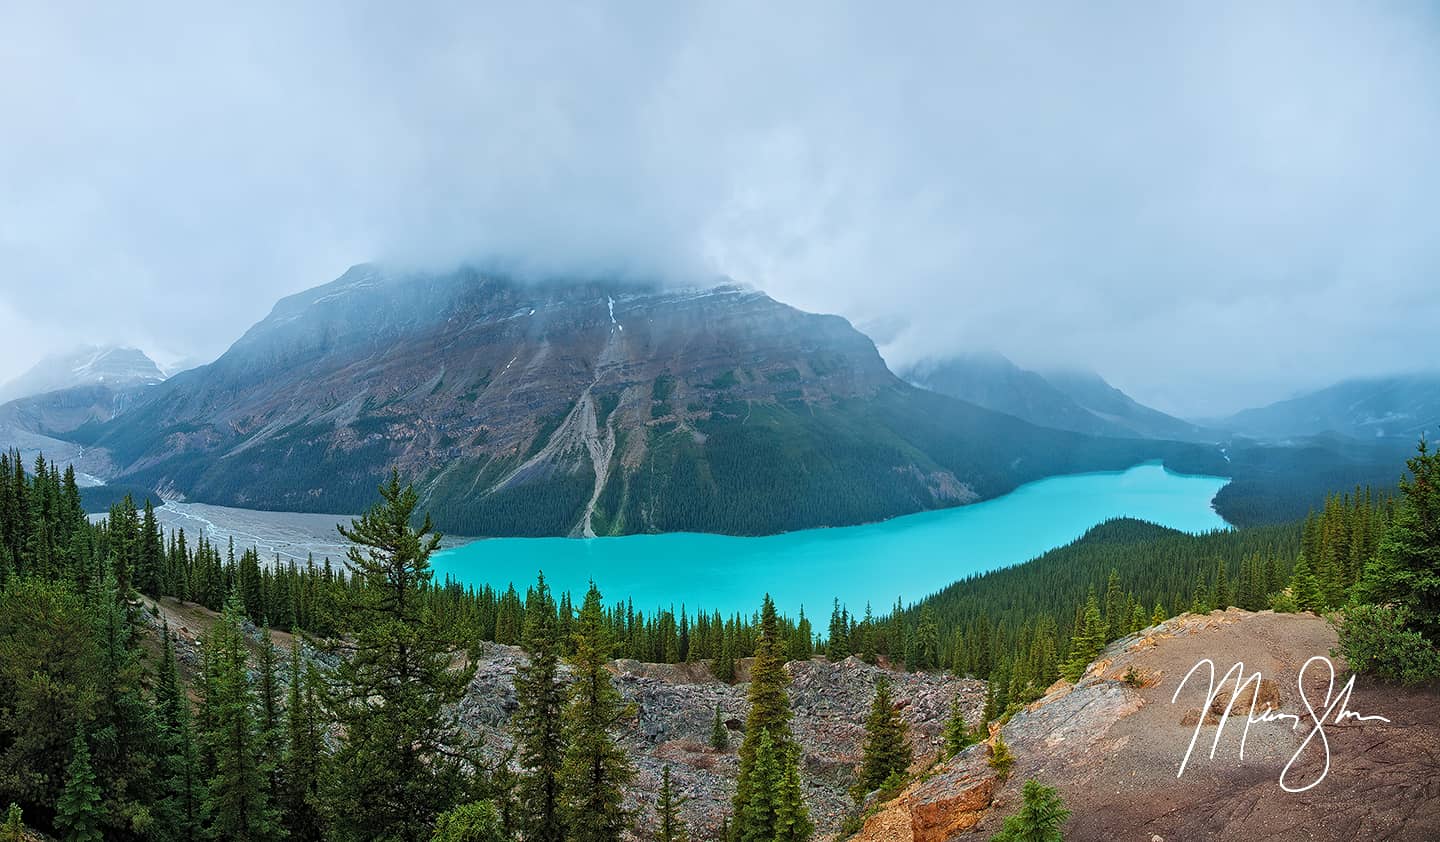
(1039, 819)
(887, 752)
(1393, 628)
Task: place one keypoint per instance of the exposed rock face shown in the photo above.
(574, 408)
(1113, 746)
(673, 713)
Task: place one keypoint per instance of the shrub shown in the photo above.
(1039, 818)
(1000, 757)
(1374, 640)
(474, 822)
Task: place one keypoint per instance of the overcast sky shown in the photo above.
(1213, 205)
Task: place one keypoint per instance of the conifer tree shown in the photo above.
(1220, 597)
(927, 639)
(397, 767)
(671, 826)
(595, 770)
(957, 734)
(1158, 616)
(1087, 641)
(236, 803)
(477, 821)
(1000, 757)
(538, 720)
(13, 830)
(838, 646)
(767, 724)
(792, 817)
(181, 809)
(1039, 819)
(719, 734)
(887, 749)
(304, 751)
(78, 813)
(1115, 618)
(1303, 586)
(1405, 572)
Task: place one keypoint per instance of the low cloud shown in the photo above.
(1212, 204)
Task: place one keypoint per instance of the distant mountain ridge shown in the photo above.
(576, 407)
(1400, 406)
(1076, 400)
(113, 366)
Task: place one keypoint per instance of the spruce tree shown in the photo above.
(1220, 597)
(595, 770)
(304, 751)
(957, 734)
(670, 825)
(78, 813)
(180, 812)
(1088, 640)
(538, 720)
(398, 766)
(236, 803)
(887, 749)
(792, 817)
(1405, 572)
(719, 734)
(767, 724)
(1000, 757)
(1303, 586)
(1039, 819)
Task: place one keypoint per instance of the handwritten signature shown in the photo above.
(1333, 703)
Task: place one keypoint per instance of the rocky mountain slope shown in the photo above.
(1366, 408)
(1112, 744)
(1079, 401)
(576, 407)
(111, 366)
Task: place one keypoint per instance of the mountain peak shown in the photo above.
(117, 366)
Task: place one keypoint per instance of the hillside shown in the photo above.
(1075, 400)
(577, 407)
(1112, 748)
(1403, 406)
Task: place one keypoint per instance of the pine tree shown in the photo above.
(838, 646)
(304, 751)
(538, 720)
(957, 735)
(887, 750)
(1087, 641)
(1221, 594)
(477, 821)
(397, 767)
(180, 811)
(719, 734)
(1406, 569)
(78, 813)
(671, 827)
(1000, 757)
(236, 803)
(1115, 618)
(927, 639)
(1303, 586)
(792, 817)
(1039, 819)
(767, 725)
(595, 770)
(1158, 616)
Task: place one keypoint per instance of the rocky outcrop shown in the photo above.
(672, 713)
(1113, 742)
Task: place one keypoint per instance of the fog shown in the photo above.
(1214, 205)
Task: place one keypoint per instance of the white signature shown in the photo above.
(1334, 703)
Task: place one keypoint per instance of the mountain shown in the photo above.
(1066, 400)
(576, 407)
(1403, 406)
(1091, 391)
(111, 366)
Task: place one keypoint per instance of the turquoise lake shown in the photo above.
(906, 557)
